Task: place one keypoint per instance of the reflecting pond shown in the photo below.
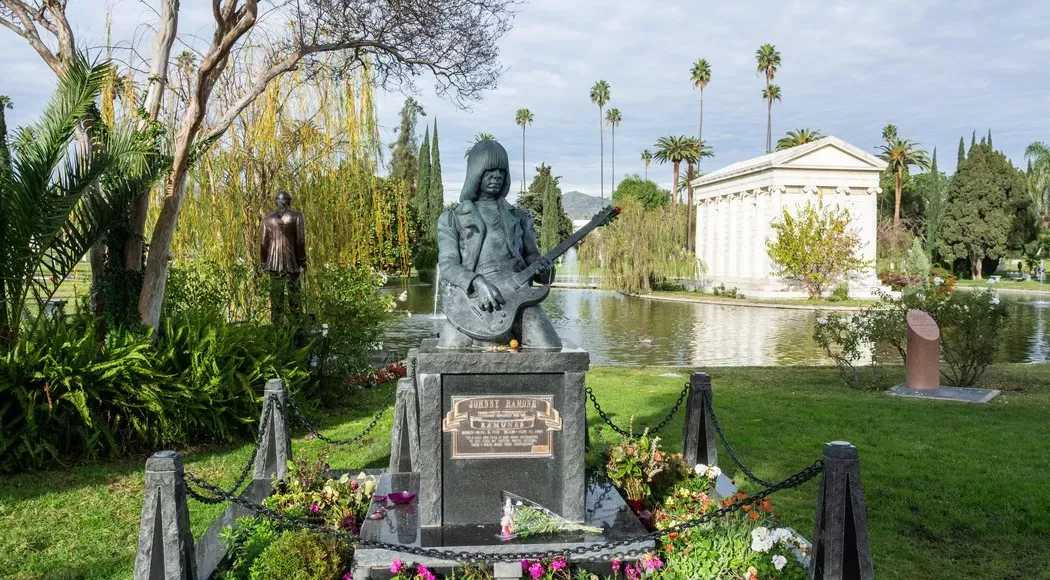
(625, 330)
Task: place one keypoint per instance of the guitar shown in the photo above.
(517, 290)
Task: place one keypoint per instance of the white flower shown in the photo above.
(937, 280)
(760, 540)
(403, 296)
(324, 329)
(779, 562)
(713, 472)
(822, 321)
(780, 535)
(995, 300)
(700, 469)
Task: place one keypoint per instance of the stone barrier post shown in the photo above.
(275, 449)
(699, 443)
(840, 532)
(165, 550)
(404, 448)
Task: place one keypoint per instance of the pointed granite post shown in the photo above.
(165, 549)
(698, 440)
(840, 533)
(275, 449)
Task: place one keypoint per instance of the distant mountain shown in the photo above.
(580, 206)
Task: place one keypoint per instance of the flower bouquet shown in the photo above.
(523, 518)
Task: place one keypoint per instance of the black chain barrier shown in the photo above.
(271, 403)
(221, 495)
(729, 448)
(350, 441)
(475, 557)
(652, 431)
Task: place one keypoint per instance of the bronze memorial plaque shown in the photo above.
(502, 426)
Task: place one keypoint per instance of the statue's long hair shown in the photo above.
(484, 155)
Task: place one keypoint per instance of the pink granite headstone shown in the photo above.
(923, 369)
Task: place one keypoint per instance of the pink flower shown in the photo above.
(615, 566)
(633, 572)
(397, 567)
(558, 563)
(536, 570)
(315, 508)
(348, 576)
(354, 484)
(652, 562)
(424, 573)
(525, 564)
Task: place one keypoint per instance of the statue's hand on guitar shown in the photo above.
(486, 295)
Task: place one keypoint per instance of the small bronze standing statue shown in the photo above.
(284, 257)
(483, 243)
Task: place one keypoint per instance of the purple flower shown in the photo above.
(315, 508)
(422, 571)
(536, 570)
(633, 572)
(348, 576)
(616, 565)
(558, 563)
(311, 437)
(525, 564)
(397, 567)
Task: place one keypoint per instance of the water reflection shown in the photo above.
(633, 331)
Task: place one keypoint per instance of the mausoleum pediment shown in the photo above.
(833, 155)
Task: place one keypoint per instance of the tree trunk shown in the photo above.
(975, 266)
(700, 135)
(523, 157)
(897, 199)
(769, 126)
(601, 144)
(612, 179)
(647, 171)
(674, 188)
(690, 227)
(162, 43)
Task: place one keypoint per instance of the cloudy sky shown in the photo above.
(936, 69)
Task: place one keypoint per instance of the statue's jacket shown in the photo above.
(461, 231)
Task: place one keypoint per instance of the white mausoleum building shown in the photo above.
(735, 205)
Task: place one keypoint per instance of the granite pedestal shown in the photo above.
(499, 421)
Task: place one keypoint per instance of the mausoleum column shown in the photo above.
(758, 263)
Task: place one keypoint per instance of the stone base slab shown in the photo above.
(961, 394)
(401, 525)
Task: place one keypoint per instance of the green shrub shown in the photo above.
(839, 294)
(970, 324)
(301, 555)
(350, 308)
(245, 543)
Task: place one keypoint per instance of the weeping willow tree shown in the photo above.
(640, 250)
(317, 139)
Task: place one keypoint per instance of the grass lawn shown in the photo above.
(953, 490)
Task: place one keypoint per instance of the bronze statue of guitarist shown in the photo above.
(482, 244)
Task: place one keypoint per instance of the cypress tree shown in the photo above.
(973, 138)
(423, 186)
(933, 209)
(549, 229)
(436, 202)
(990, 140)
(403, 161)
(962, 153)
(5, 152)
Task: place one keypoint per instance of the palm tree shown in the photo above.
(798, 137)
(477, 138)
(647, 157)
(768, 58)
(600, 96)
(701, 75)
(695, 152)
(50, 214)
(889, 132)
(675, 149)
(523, 117)
(899, 154)
(1038, 156)
(613, 118)
(770, 94)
